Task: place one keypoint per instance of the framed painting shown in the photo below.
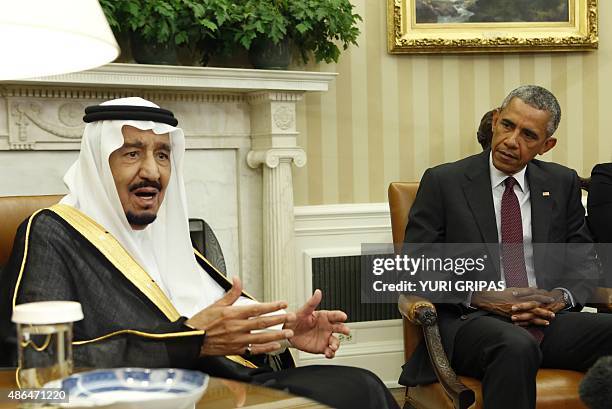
(434, 26)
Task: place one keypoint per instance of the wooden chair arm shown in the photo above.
(417, 310)
(422, 312)
(602, 299)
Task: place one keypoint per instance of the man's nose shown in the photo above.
(149, 168)
(512, 140)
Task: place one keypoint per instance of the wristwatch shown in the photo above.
(567, 300)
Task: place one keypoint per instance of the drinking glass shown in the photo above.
(44, 341)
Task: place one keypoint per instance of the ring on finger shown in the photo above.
(248, 349)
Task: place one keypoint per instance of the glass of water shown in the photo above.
(44, 340)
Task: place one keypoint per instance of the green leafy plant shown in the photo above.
(155, 21)
(221, 26)
(316, 26)
(166, 21)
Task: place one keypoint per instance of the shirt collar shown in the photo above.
(498, 177)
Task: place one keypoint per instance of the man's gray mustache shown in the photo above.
(155, 185)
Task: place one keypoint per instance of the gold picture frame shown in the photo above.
(406, 35)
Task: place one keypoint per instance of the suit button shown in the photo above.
(463, 317)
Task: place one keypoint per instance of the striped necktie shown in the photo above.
(513, 254)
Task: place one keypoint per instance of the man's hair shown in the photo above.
(485, 133)
(539, 98)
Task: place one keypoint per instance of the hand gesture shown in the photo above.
(313, 330)
(228, 328)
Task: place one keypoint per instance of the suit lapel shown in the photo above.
(541, 213)
(541, 203)
(479, 196)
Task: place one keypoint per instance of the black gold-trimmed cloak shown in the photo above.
(61, 254)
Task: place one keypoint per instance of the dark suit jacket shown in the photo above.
(454, 204)
(599, 205)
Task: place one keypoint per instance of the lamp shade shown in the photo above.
(44, 37)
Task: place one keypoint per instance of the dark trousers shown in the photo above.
(337, 386)
(506, 357)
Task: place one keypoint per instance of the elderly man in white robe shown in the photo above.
(119, 244)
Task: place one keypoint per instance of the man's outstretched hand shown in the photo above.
(228, 328)
(313, 330)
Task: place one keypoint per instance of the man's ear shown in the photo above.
(495, 118)
(549, 143)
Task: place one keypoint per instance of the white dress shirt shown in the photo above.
(521, 190)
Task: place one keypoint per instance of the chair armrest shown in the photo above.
(417, 310)
(602, 299)
(422, 312)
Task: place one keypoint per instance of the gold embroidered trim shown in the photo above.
(236, 358)
(140, 334)
(240, 360)
(118, 256)
(25, 255)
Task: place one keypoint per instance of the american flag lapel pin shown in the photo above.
(545, 194)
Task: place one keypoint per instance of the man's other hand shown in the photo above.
(497, 302)
(547, 304)
(314, 329)
(524, 306)
(228, 328)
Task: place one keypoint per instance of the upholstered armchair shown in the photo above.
(13, 211)
(555, 388)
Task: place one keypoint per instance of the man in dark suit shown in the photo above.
(599, 206)
(503, 195)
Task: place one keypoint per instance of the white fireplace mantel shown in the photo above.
(240, 128)
(191, 78)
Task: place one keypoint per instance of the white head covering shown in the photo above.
(164, 248)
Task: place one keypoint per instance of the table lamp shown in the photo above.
(44, 37)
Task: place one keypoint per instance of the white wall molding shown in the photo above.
(343, 211)
(360, 218)
(317, 231)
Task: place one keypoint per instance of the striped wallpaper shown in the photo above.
(390, 117)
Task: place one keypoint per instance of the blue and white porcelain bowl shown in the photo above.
(134, 388)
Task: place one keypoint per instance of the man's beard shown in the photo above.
(142, 219)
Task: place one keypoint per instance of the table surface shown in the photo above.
(220, 394)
